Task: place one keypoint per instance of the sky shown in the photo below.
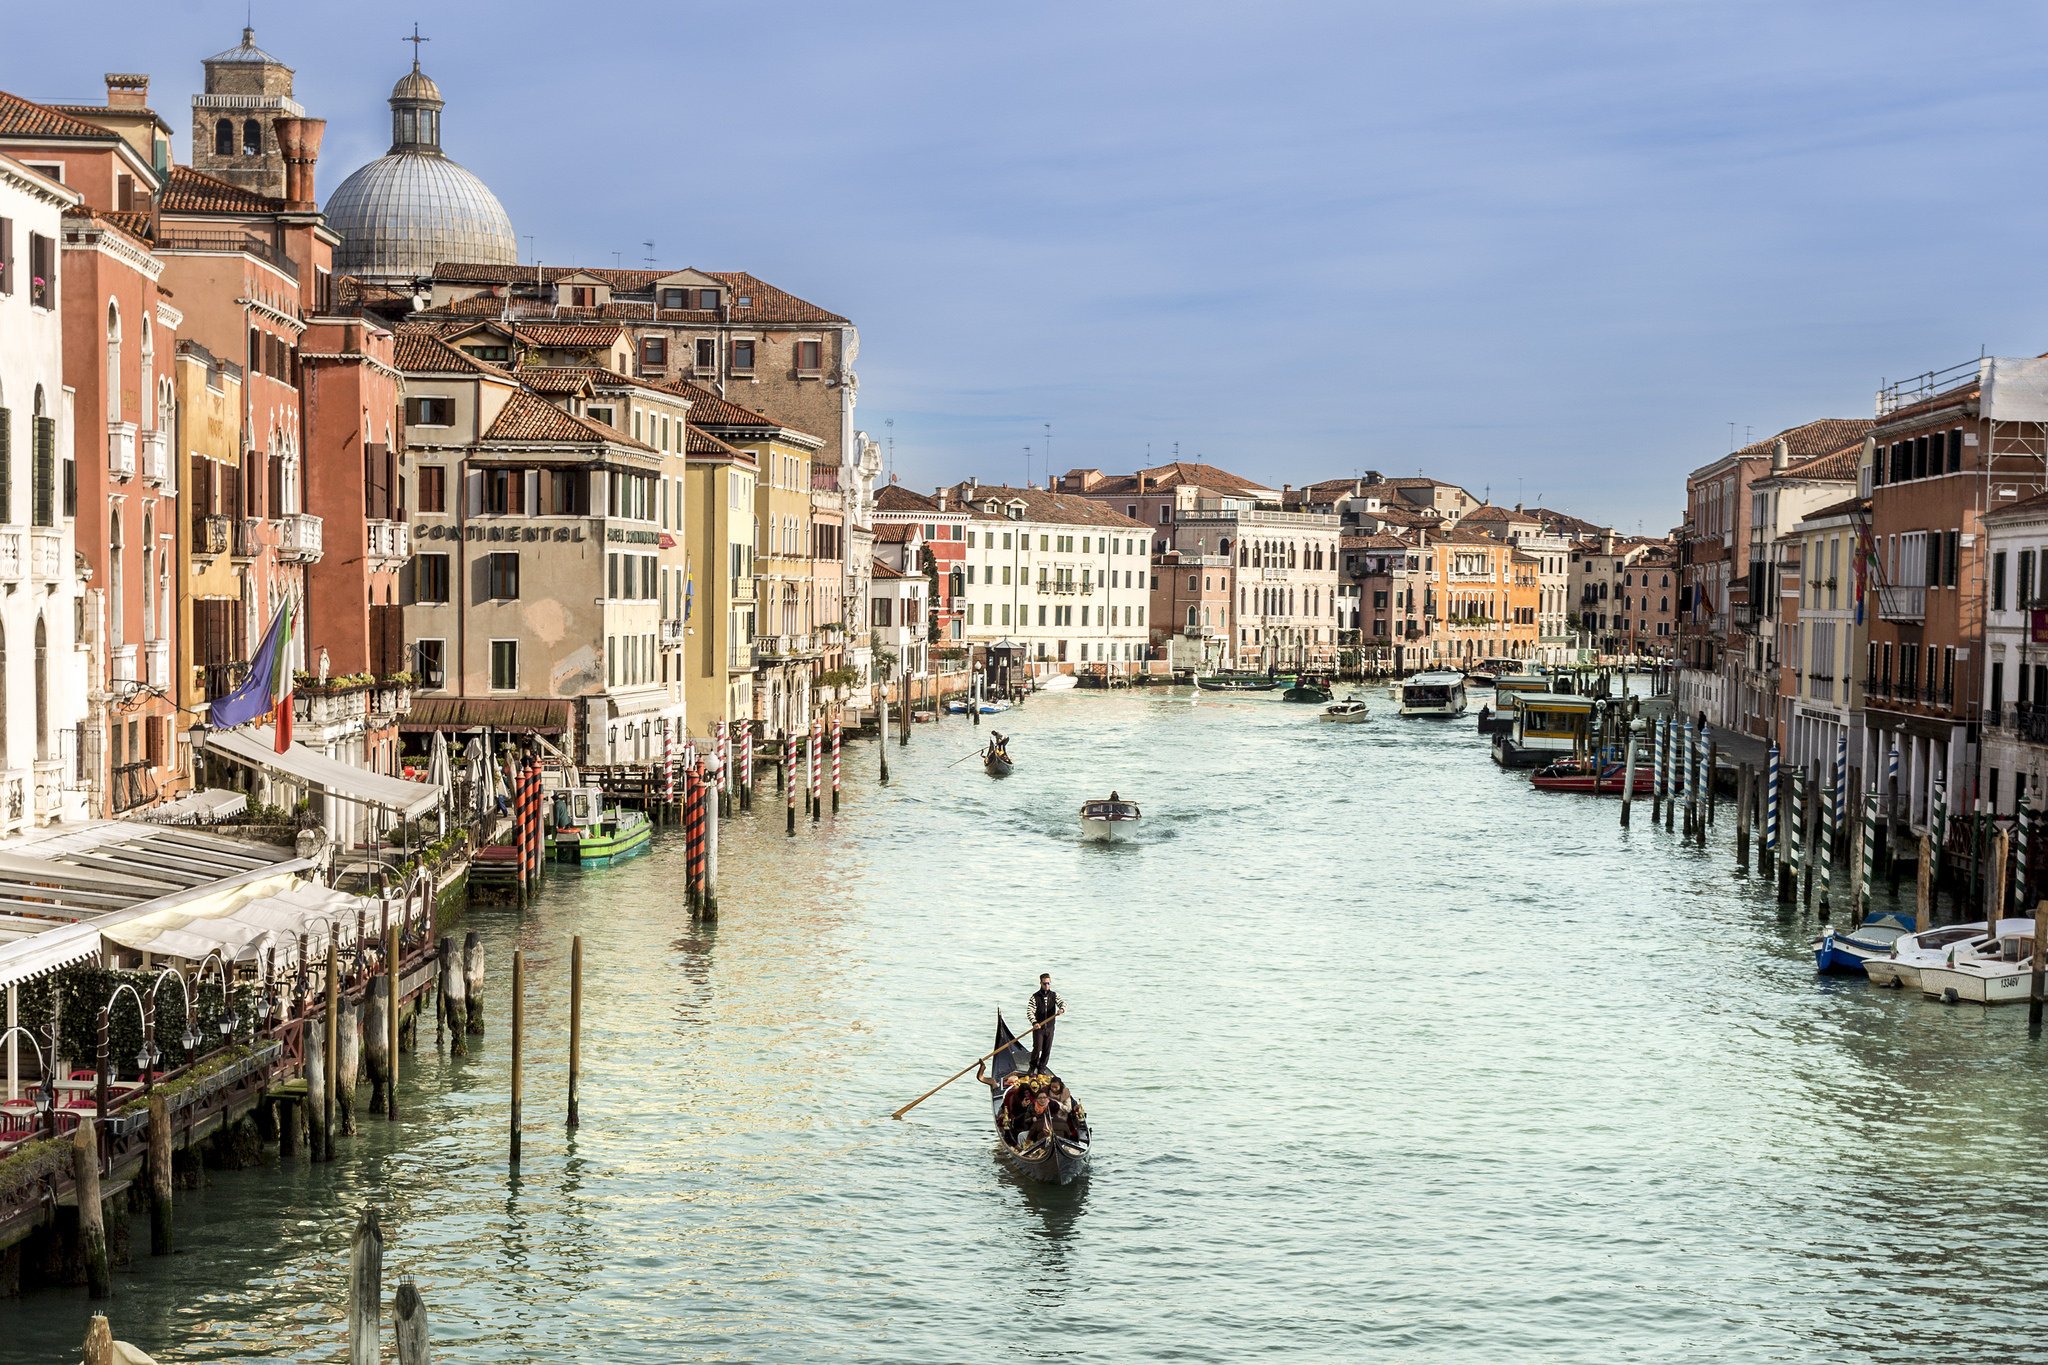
(1557, 251)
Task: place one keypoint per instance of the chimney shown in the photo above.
(1144, 482)
(1607, 541)
(1781, 454)
(298, 139)
(127, 90)
(942, 499)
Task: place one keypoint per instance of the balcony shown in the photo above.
(217, 680)
(13, 556)
(1901, 603)
(344, 708)
(390, 699)
(156, 659)
(210, 537)
(121, 450)
(156, 459)
(45, 554)
(247, 538)
(16, 814)
(390, 540)
(739, 657)
(672, 632)
(134, 785)
(126, 665)
(298, 537)
(49, 784)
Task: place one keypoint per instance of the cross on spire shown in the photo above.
(415, 40)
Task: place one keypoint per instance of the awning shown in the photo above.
(262, 923)
(256, 747)
(198, 808)
(551, 716)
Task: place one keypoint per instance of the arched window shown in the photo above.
(113, 362)
(149, 575)
(224, 137)
(148, 385)
(252, 138)
(115, 599)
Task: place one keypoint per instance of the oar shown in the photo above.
(970, 1066)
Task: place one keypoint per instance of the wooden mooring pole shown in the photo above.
(473, 979)
(2040, 982)
(454, 998)
(1923, 887)
(409, 1324)
(161, 1228)
(1628, 780)
(575, 1025)
(393, 996)
(518, 1042)
(330, 1026)
(365, 1289)
(92, 1218)
(1743, 795)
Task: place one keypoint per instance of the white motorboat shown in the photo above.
(1901, 970)
(1058, 682)
(2001, 974)
(1353, 712)
(1438, 695)
(1109, 820)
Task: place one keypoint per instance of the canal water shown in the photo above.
(1388, 1056)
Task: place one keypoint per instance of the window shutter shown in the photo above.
(6, 463)
(6, 255)
(277, 507)
(45, 474)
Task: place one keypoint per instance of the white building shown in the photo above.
(1287, 601)
(2015, 734)
(1823, 653)
(43, 672)
(1066, 577)
(898, 599)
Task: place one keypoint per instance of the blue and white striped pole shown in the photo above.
(1700, 778)
(1839, 798)
(1771, 809)
(1686, 757)
(1660, 747)
(1824, 852)
(2021, 819)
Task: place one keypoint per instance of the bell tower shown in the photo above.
(247, 89)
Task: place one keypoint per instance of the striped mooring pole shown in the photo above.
(1795, 854)
(2021, 819)
(1670, 771)
(1940, 841)
(1888, 816)
(1771, 806)
(816, 757)
(1840, 798)
(789, 776)
(747, 765)
(1684, 769)
(1824, 852)
(1700, 778)
(1659, 746)
(835, 760)
(1867, 846)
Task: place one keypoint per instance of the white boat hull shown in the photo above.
(1979, 983)
(1106, 831)
(1058, 682)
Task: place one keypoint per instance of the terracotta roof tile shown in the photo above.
(766, 303)
(1838, 465)
(569, 336)
(702, 442)
(418, 351)
(1948, 398)
(1809, 439)
(529, 417)
(1846, 507)
(895, 531)
(597, 376)
(894, 497)
(887, 571)
(1040, 505)
(191, 191)
(26, 118)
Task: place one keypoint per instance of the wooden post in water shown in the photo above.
(575, 1024)
(1994, 901)
(518, 1040)
(2040, 984)
(99, 1341)
(1742, 799)
(331, 1035)
(1628, 779)
(1923, 887)
(441, 948)
(1713, 771)
(409, 1322)
(160, 1225)
(454, 998)
(473, 978)
(708, 903)
(882, 721)
(92, 1218)
(394, 996)
(348, 1067)
(365, 1289)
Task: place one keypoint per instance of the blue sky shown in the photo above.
(1550, 248)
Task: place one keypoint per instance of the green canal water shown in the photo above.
(1389, 1057)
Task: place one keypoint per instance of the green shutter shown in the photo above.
(45, 473)
(6, 463)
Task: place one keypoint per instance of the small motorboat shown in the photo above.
(995, 759)
(1236, 682)
(1591, 777)
(1847, 950)
(1109, 819)
(987, 708)
(1352, 712)
(1901, 968)
(1313, 690)
(1058, 1158)
(591, 834)
(1058, 682)
(1999, 971)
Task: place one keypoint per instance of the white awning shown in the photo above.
(249, 924)
(201, 807)
(256, 746)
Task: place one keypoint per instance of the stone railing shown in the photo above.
(45, 554)
(156, 458)
(16, 814)
(121, 450)
(390, 540)
(156, 655)
(298, 537)
(49, 780)
(13, 556)
(327, 707)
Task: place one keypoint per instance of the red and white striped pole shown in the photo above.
(835, 760)
(789, 777)
(816, 756)
(746, 767)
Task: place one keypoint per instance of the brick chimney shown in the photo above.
(127, 90)
(298, 140)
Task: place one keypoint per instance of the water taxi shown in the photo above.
(1353, 712)
(1930, 948)
(2000, 972)
(592, 834)
(1591, 777)
(1434, 695)
(1109, 820)
(1508, 691)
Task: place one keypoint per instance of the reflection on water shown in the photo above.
(1387, 1055)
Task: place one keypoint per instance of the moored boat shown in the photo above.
(592, 834)
(1901, 967)
(1545, 727)
(1590, 777)
(1848, 950)
(1109, 819)
(1353, 712)
(1508, 690)
(1998, 972)
(1058, 682)
(1434, 695)
(1058, 1158)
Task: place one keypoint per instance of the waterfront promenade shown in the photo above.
(1388, 1057)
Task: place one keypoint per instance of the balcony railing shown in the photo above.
(126, 662)
(298, 537)
(346, 708)
(1901, 603)
(45, 554)
(16, 814)
(121, 450)
(156, 458)
(156, 658)
(248, 537)
(13, 556)
(217, 680)
(672, 632)
(229, 241)
(210, 536)
(739, 656)
(134, 785)
(390, 540)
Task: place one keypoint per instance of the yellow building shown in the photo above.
(718, 525)
(210, 619)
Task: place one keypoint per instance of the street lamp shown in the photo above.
(229, 1020)
(145, 1059)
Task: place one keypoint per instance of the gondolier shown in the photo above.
(1044, 1008)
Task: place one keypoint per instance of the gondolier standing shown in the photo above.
(1046, 1006)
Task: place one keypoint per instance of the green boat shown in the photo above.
(1309, 690)
(591, 834)
(1238, 682)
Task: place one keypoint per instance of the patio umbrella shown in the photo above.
(438, 777)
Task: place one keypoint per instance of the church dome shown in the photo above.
(413, 208)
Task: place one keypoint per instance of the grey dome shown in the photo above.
(405, 213)
(416, 85)
(247, 53)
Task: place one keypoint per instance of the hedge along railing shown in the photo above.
(81, 992)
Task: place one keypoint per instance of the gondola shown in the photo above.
(995, 760)
(1056, 1160)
